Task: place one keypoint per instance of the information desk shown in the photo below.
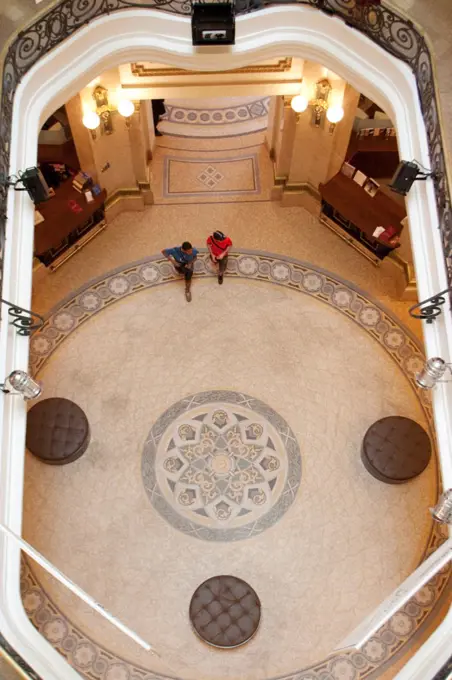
(349, 207)
(62, 227)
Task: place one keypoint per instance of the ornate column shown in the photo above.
(284, 146)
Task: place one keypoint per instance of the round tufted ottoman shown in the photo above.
(225, 611)
(57, 431)
(395, 450)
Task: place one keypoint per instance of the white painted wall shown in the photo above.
(165, 38)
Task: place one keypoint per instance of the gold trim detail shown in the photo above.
(141, 71)
(117, 195)
(213, 83)
(294, 187)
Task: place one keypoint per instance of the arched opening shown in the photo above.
(118, 38)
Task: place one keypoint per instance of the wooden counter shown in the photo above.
(61, 226)
(352, 209)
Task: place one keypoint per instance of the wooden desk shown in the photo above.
(359, 214)
(62, 227)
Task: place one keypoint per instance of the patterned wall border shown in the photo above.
(205, 166)
(229, 115)
(96, 663)
(392, 32)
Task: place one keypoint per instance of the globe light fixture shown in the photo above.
(126, 108)
(91, 120)
(299, 103)
(335, 114)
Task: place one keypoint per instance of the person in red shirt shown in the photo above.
(219, 245)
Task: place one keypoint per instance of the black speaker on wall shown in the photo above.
(213, 23)
(404, 176)
(35, 184)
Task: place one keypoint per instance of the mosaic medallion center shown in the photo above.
(221, 466)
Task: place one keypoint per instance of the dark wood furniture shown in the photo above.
(381, 165)
(225, 611)
(62, 227)
(395, 450)
(356, 214)
(57, 431)
(371, 144)
(59, 153)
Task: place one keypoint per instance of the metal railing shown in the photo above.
(12, 666)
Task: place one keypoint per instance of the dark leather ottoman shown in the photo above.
(225, 611)
(396, 449)
(57, 431)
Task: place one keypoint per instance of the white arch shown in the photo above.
(134, 35)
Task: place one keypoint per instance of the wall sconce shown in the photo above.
(102, 116)
(442, 512)
(23, 384)
(320, 103)
(432, 373)
(103, 109)
(319, 106)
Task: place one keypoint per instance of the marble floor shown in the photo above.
(213, 172)
(340, 545)
(225, 439)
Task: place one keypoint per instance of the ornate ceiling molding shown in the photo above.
(140, 70)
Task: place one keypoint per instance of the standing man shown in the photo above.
(219, 245)
(183, 258)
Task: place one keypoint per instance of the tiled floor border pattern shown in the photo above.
(93, 661)
(391, 31)
(220, 116)
(210, 163)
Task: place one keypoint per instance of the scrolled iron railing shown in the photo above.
(428, 310)
(393, 33)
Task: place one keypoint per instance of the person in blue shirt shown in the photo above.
(183, 258)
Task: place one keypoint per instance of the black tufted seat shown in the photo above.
(225, 611)
(396, 449)
(57, 431)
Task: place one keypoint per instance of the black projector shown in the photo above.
(213, 23)
(404, 176)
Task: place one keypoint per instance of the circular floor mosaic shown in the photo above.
(221, 466)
